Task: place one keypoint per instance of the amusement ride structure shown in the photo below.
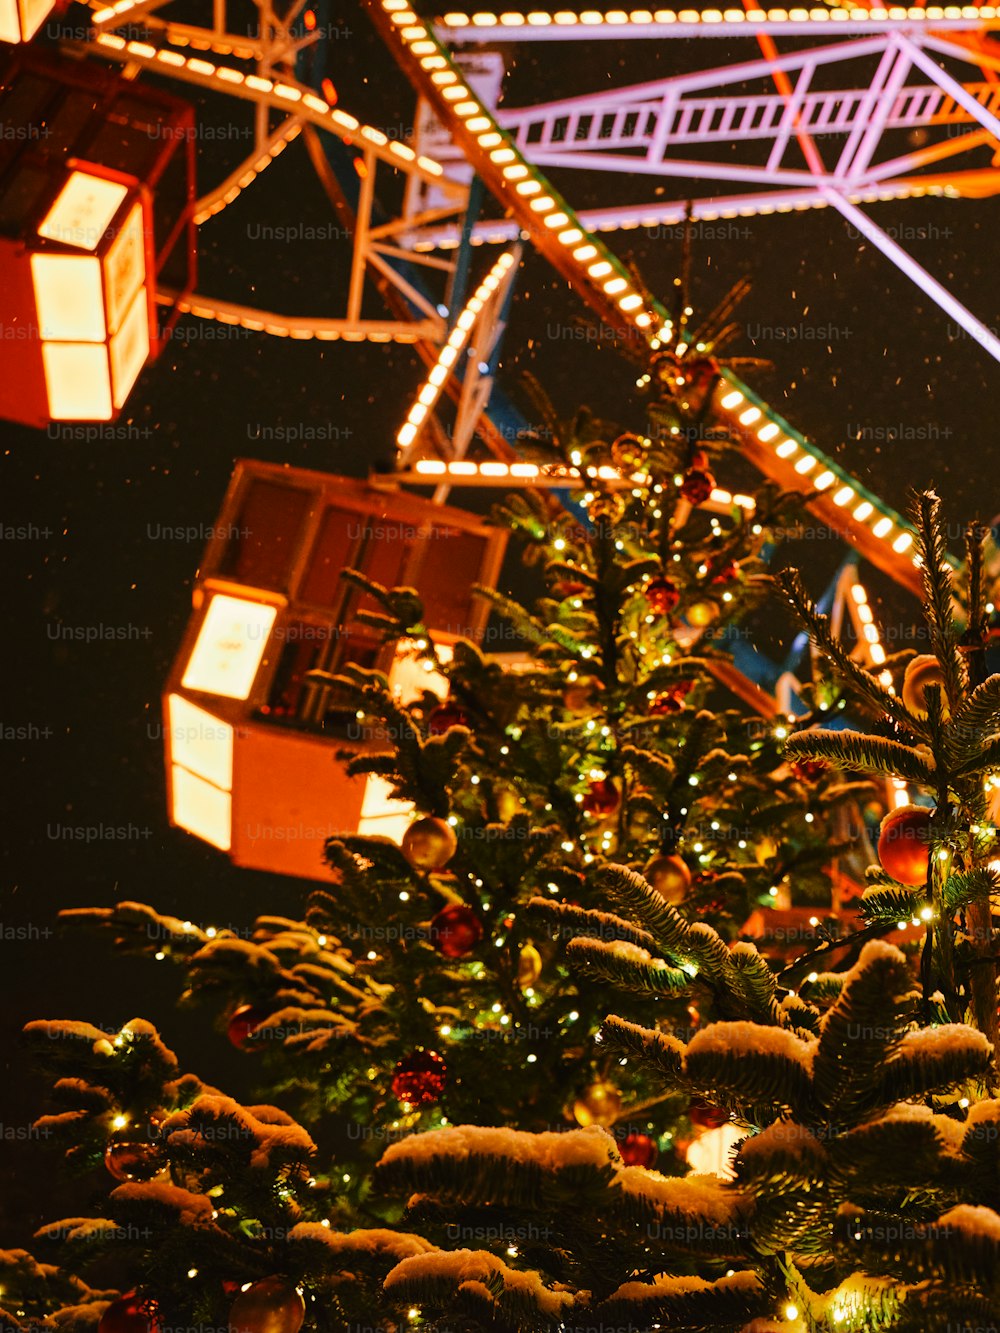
(863, 105)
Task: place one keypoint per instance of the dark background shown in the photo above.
(81, 745)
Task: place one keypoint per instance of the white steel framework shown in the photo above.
(791, 143)
(670, 128)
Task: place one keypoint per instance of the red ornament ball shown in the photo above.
(445, 717)
(904, 844)
(697, 486)
(136, 1159)
(419, 1079)
(130, 1314)
(271, 1305)
(809, 770)
(727, 573)
(703, 1116)
(456, 930)
(243, 1024)
(662, 596)
(564, 588)
(672, 700)
(638, 1150)
(700, 371)
(602, 798)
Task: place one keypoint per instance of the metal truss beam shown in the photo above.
(650, 129)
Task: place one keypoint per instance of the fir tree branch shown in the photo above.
(935, 573)
(750, 1066)
(564, 919)
(987, 758)
(869, 754)
(978, 717)
(971, 886)
(655, 1050)
(867, 1022)
(789, 583)
(934, 1060)
(627, 967)
(889, 903)
(689, 1303)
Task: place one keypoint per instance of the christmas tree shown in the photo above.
(593, 825)
(862, 1193)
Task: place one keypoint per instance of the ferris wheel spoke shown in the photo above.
(214, 201)
(281, 94)
(302, 327)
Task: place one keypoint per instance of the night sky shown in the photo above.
(86, 521)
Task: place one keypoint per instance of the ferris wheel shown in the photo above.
(813, 127)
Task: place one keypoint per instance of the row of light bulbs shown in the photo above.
(457, 341)
(806, 461)
(280, 93)
(594, 18)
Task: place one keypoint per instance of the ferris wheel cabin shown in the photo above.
(251, 740)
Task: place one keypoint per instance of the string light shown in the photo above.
(787, 446)
(668, 21)
(865, 620)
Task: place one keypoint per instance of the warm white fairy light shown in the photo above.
(665, 20)
(865, 622)
(457, 340)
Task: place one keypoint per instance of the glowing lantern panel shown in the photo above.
(21, 19)
(712, 1150)
(202, 809)
(229, 647)
(68, 297)
(83, 211)
(89, 230)
(201, 771)
(124, 268)
(92, 309)
(200, 742)
(129, 349)
(77, 379)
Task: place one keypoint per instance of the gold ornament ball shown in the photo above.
(669, 876)
(509, 803)
(608, 508)
(272, 1305)
(701, 614)
(580, 696)
(921, 671)
(628, 452)
(765, 849)
(529, 966)
(600, 1104)
(429, 844)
